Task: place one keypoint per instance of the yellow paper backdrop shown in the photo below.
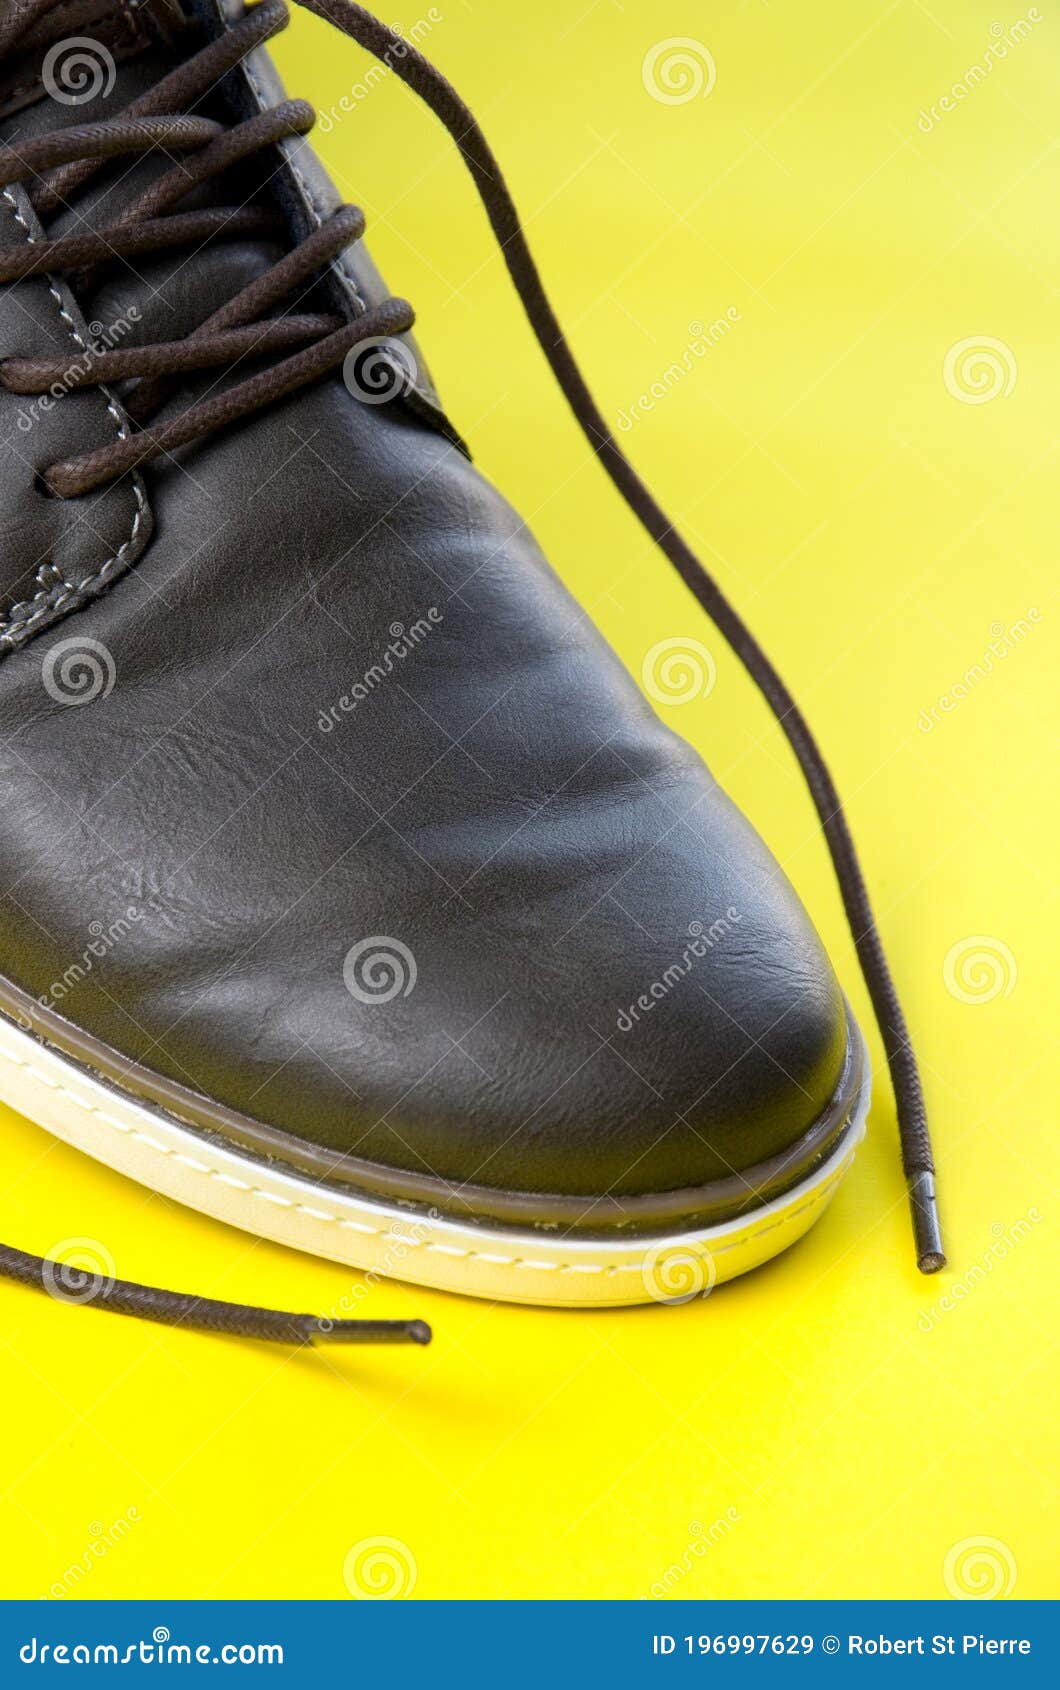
(865, 451)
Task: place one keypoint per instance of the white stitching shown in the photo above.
(64, 591)
(343, 262)
(412, 1243)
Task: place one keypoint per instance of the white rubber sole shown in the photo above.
(511, 1264)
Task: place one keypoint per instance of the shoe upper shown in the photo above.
(325, 801)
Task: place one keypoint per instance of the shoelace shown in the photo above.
(60, 164)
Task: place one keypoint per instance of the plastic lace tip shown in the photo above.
(371, 1332)
(927, 1229)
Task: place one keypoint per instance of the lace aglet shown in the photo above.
(370, 1332)
(927, 1230)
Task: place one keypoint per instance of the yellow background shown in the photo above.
(878, 531)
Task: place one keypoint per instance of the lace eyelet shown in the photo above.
(42, 486)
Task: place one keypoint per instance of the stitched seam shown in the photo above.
(315, 211)
(487, 1256)
(61, 594)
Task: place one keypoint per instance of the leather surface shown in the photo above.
(501, 802)
(54, 555)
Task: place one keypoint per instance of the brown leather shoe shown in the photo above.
(349, 889)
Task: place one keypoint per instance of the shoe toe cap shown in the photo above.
(665, 1022)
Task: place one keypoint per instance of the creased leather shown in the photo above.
(502, 804)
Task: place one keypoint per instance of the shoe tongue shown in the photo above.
(115, 51)
(77, 45)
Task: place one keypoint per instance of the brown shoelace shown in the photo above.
(60, 164)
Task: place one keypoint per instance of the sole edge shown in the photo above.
(540, 1268)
